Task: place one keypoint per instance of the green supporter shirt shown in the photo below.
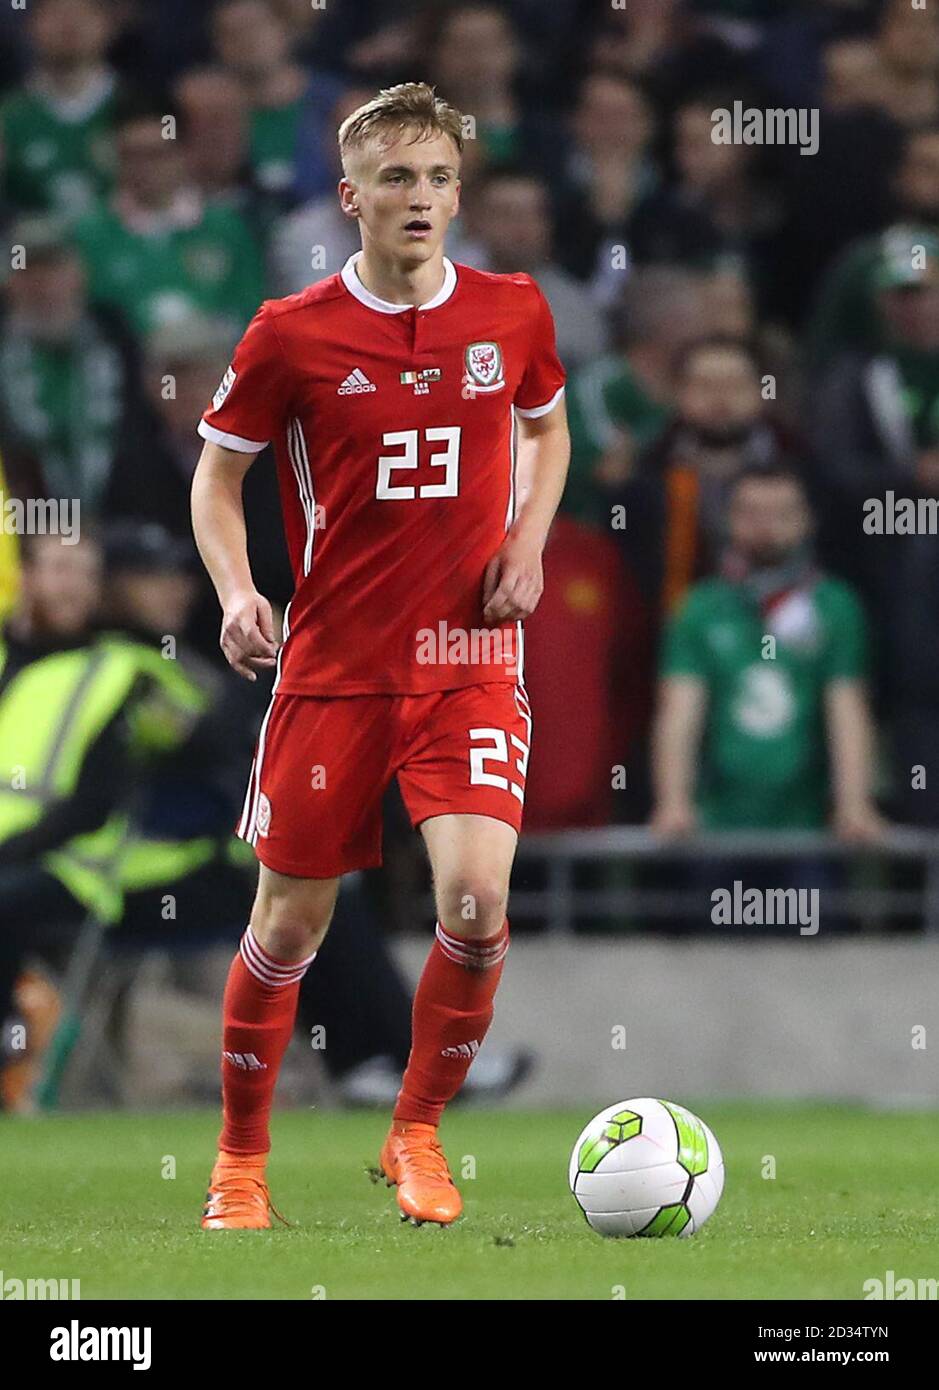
(213, 267)
(764, 759)
(273, 143)
(919, 374)
(54, 160)
(65, 404)
(846, 317)
(602, 398)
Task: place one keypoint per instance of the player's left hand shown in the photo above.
(513, 582)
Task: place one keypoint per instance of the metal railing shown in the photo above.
(562, 900)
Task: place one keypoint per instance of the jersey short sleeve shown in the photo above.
(846, 650)
(250, 405)
(684, 649)
(543, 381)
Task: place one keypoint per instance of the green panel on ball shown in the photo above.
(595, 1147)
(692, 1141)
(668, 1221)
(625, 1124)
(628, 1122)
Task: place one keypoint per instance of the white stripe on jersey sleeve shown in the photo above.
(537, 411)
(230, 441)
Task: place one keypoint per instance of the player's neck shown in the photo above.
(388, 279)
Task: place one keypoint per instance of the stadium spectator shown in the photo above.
(851, 74)
(605, 170)
(762, 715)
(289, 110)
(193, 741)
(874, 412)
(908, 53)
(214, 114)
(475, 56)
(510, 220)
(674, 497)
(664, 45)
(303, 22)
(154, 43)
(156, 250)
(62, 753)
(69, 374)
(847, 315)
(184, 361)
(382, 39)
(907, 567)
(56, 148)
(371, 41)
(732, 312)
(619, 404)
(717, 203)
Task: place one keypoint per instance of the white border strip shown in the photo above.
(537, 411)
(230, 441)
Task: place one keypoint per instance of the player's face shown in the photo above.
(404, 195)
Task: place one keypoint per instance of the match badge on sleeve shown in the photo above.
(221, 395)
(484, 369)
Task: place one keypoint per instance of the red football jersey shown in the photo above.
(394, 433)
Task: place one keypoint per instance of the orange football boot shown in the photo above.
(238, 1199)
(413, 1161)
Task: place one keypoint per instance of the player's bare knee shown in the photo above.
(286, 936)
(474, 906)
(291, 926)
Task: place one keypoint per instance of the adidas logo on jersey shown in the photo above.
(461, 1050)
(244, 1061)
(356, 384)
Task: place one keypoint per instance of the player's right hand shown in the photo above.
(248, 634)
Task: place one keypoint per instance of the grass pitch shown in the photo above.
(114, 1200)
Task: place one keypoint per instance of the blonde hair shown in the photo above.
(409, 104)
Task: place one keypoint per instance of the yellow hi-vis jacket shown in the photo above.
(52, 711)
(9, 557)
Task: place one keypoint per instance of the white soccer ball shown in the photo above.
(646, 1168)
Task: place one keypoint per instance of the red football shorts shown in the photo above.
(314, 801)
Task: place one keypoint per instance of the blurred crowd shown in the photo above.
(751, 334)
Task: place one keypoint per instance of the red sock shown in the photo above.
(451, 1016)
(258, 1014)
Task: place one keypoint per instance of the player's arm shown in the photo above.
(676, 741)
(218, 523)
(514, 578)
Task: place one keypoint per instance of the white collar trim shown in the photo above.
(355, 287)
